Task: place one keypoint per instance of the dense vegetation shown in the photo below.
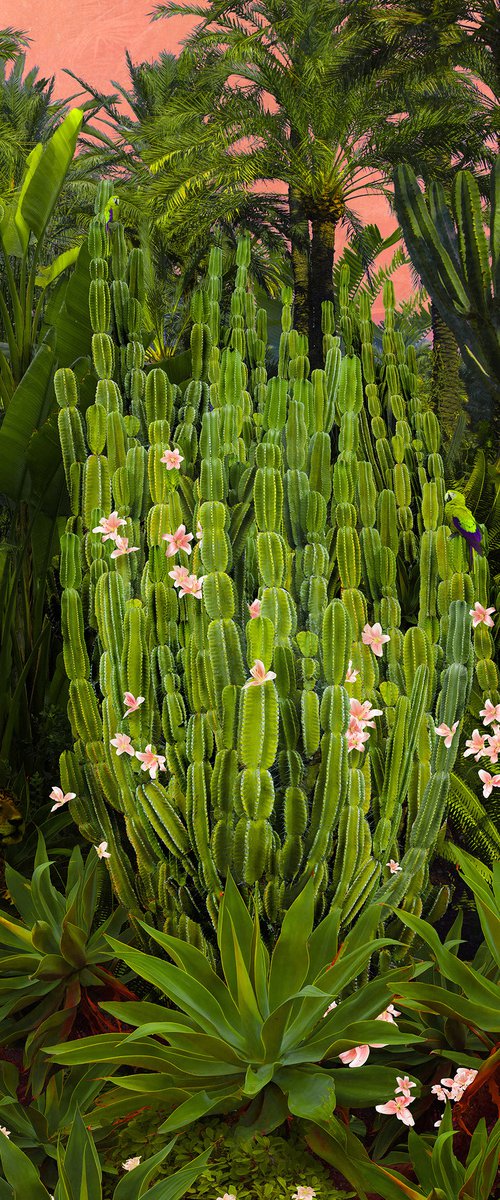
(249, 586)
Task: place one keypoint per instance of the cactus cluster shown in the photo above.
(310, 497)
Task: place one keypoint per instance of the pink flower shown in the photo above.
(481, 615)
(404, 1085)
(172, 459)
(178, 541)
(132, 703)
(254, 608)
(123, 745)
(102, 850)
(464, 1076)
(355, 1057)
(394, 867)
(130, 1163)
(448, 734)
(6, 1132)
(490, 712)
(304, 1193)
(475, 745)
(227, 1196)
(199, 532)
(109, 526)
(192, 586)
(352, 674)
(490, 781)
(398, 1108)
(259, 674)
(438, 1091)
(179, 575)
(330, 1008)
(493, 749)
(364, 713)
(150, 761)
(372, 636)
(356, 737)
(122, 547)
(60, 799)
(453, 1089)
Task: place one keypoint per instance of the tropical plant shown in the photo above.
(12, 42)
(80, 1172)
(451, 254)
(261, 780)
(38, 1123)
(263, 1035)
(53, 956)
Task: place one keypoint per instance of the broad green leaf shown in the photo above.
(47, 274)
(290, 958)
(44, 187)
(81, 1163)
(323, 945)
(311, 1093)
(198, 1106)
(196, 966)
(20, 1172)
(251, 1017)
(26, 409)
(133, 1184)
(178, 1183)
(363, 1086)
(428, 998)
(256, 1080)
(243, 924)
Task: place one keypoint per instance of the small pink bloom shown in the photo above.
(254, 608)
(330, 1008)
(130, 1163)
(60, 799)
(352, 674)
(179, 576)
(122, 744)
(356, 737)
(178, 541)
(448, 734)
(132, 703)
(364, 712)
(192, 586)
(109, 526)
(489, 781)
(481, 615)
(398, 1108)
(438, 1091)
(394, 867)
(102, 850)
(404, 1085)
(493, 749)
(150, 761)
(6, 1132)
(372, 636)
(355, 1057)
(475, 745)
(199, 532)
(227, 1196)
(490, 712)
(122, 547)
(172, 459)
(465, 1076)
(304, 1193)
(259, 674)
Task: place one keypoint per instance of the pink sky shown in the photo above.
(90, 38)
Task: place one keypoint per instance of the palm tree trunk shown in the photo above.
(300, 248)
(448, 392)
(321, 283)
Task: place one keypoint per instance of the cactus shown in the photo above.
(249, 672)
(450, 252)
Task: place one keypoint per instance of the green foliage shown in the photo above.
(52, 954)
(80, 1173)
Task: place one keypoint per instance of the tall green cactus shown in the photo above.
(461, 273)
(249, 674)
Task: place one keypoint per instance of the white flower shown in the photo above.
(130, 1163)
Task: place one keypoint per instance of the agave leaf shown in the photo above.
(290, 958)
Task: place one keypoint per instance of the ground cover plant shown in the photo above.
(249, 584)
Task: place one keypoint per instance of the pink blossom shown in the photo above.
(122, 547)
(254, 608)
(60, 799)
(453, 1089)
(109, 526)
(352, 674)
(102, 850)
(465, 1076)
(356, 737)
(5, 1131)
(330, 1008)
(394, 867)
(372, 636)
(364, 712)
(172, 459)
(438, 1091)
(493, 749)
(475, 745)
(192, 586)
(481, 615)
(130, 1163)
(489, 781)
(404, 1085)
(179, 576)
(259, 674)
(304, 1193)
(448, 734)
(199, 532)
(227, 1196)
(123, 744)
(132, 703)
(398, 1108)
(490, 712)
(150, 761)
(355, 1057)
(387, 1015)
(178, 541)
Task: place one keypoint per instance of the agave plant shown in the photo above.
(80, 1174)
(53, 955)
(263, 1036)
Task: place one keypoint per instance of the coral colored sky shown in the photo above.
(90, 38)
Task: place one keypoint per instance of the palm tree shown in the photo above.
(12, 42)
